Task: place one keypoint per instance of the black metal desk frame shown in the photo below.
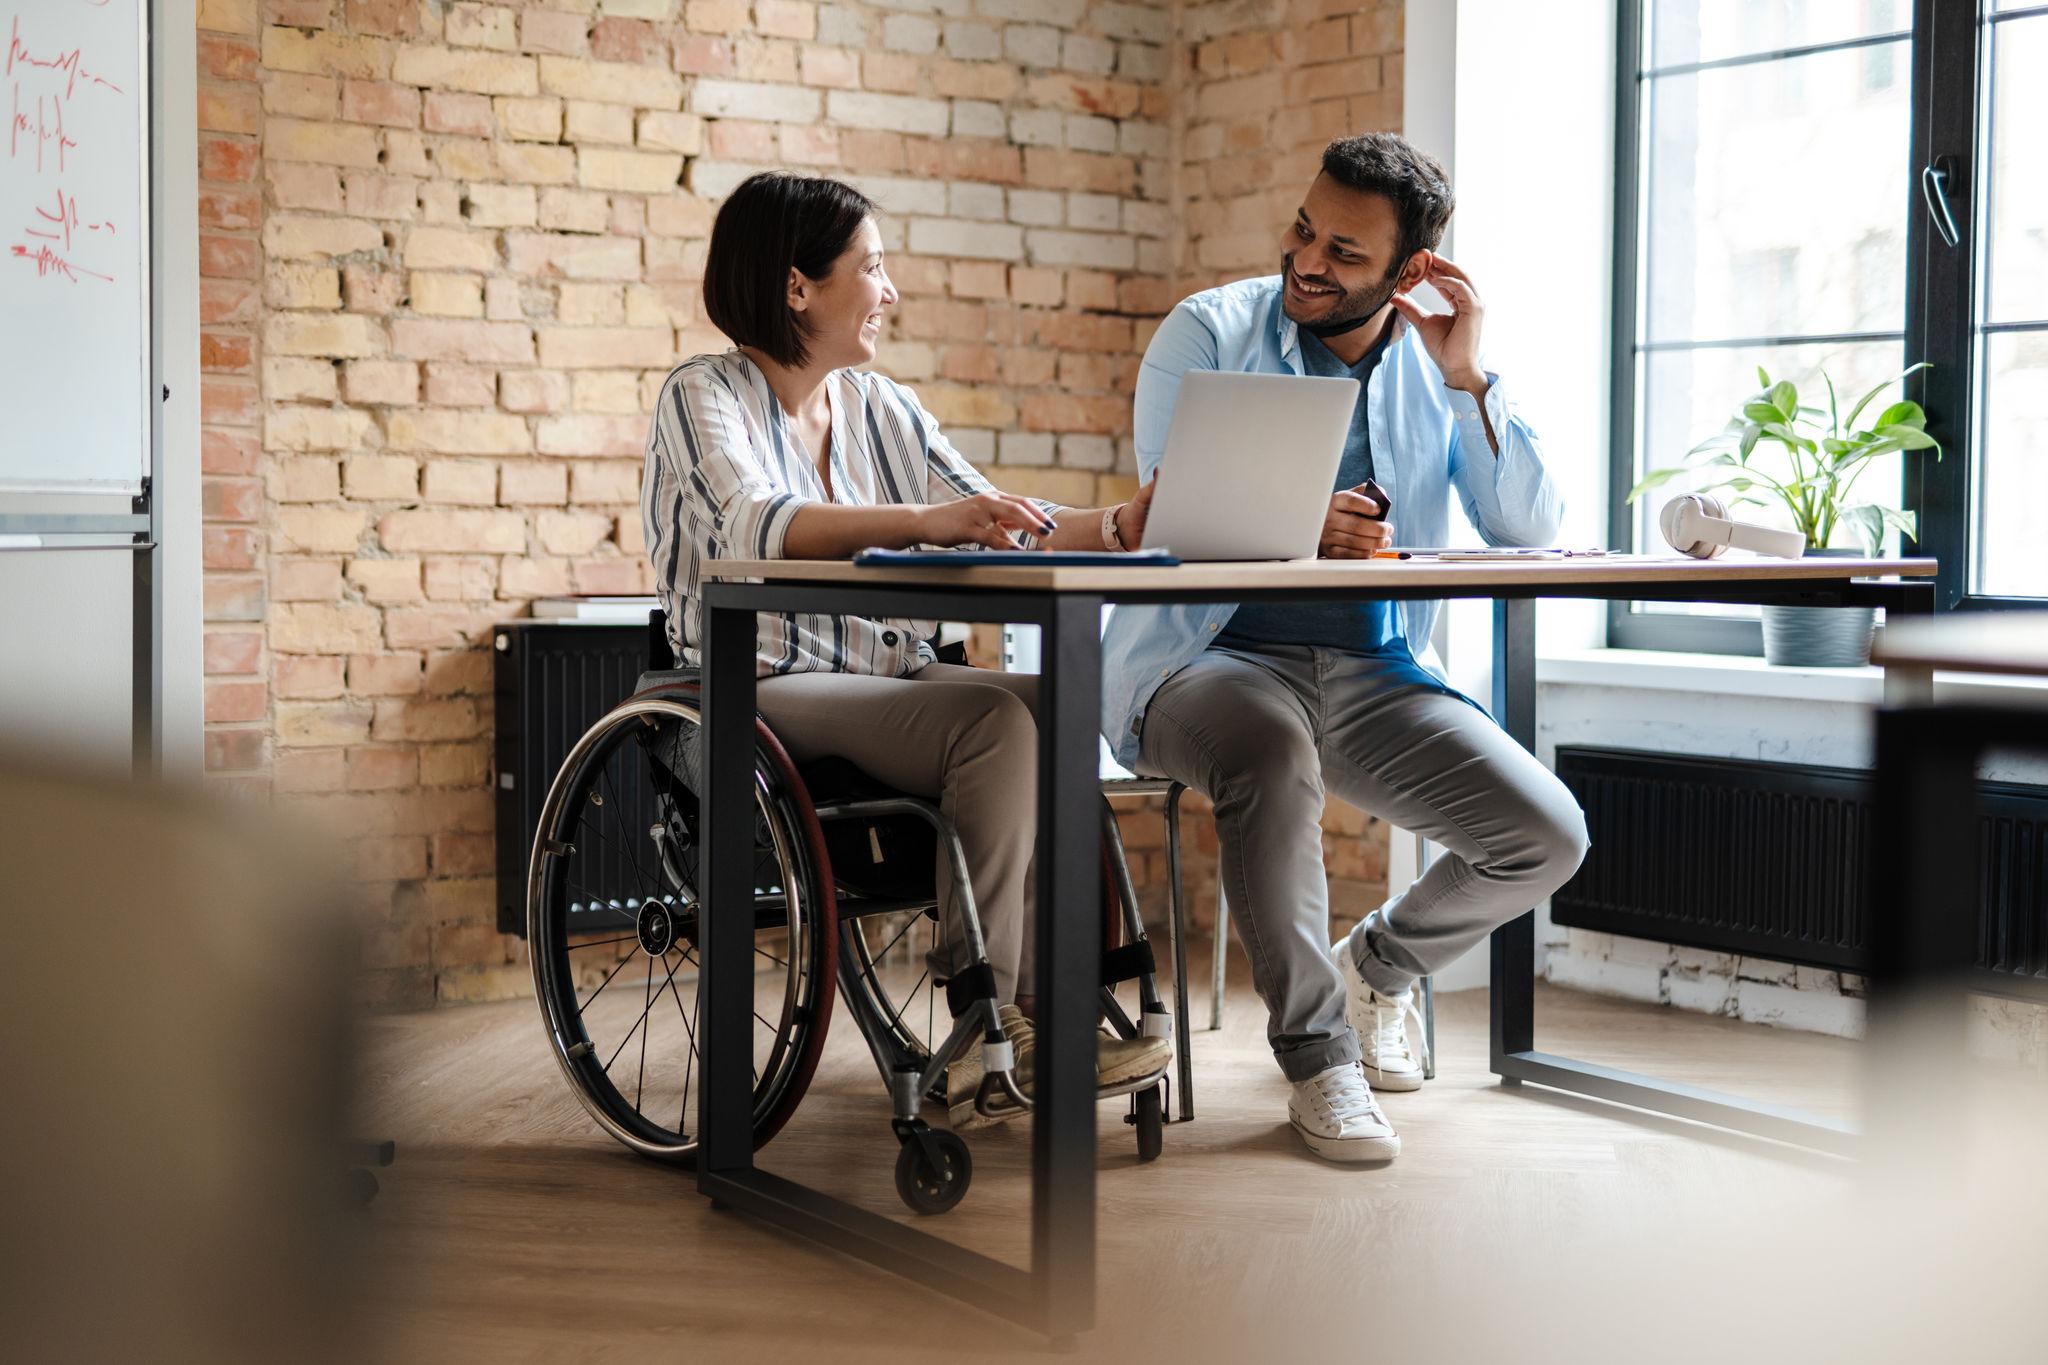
(1925, 866)
(1056, 1295)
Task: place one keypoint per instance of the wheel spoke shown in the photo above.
(602, 984)
(627, 1039)
(599, 943)
(631, 846)
(896, 1013)
(618, 849)
(665, 985)
(908, 925)
(640, 1086)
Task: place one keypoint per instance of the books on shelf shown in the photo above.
(610, 610)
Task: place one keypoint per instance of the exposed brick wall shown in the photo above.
(237, 690)
(1268, 85)
(451, 249)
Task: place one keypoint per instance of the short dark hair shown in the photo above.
(1389, 164)
(770, 222)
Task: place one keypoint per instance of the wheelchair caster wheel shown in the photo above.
(359, 1187)
(1148, 1116)
(933, 1171)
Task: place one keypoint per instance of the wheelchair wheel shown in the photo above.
(885, 980)
(612, 927)
(1148, 1116)
(928, 1188)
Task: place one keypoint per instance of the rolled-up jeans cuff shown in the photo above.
(1384, 979)
(1300, 1063)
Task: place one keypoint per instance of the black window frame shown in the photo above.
(1940, 323)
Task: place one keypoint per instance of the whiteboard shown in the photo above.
(74, 247)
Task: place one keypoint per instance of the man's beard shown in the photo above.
(1354, 308)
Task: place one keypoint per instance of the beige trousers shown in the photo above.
(966, 737)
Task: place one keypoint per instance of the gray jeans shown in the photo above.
(965, 737)
(1264, 734)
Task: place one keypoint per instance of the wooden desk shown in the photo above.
(2007, 643)
(1057, 1294)
(1924, 873)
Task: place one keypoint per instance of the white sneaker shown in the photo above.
(1381, 1023)
(1338, 1118)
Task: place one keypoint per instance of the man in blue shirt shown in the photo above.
(1264, 709)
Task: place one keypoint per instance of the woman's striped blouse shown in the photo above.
(726, 474)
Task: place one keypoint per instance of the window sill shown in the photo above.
(1740, 676)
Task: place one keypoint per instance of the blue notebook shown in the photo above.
(1030, 559)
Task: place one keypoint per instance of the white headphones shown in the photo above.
(1697, 524)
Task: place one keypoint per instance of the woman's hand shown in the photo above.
(984, 519)
(1130, 522)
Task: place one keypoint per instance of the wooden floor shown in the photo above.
(511, 1229)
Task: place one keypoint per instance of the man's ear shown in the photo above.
(1413, 271)
(799, 290)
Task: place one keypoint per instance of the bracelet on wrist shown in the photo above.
(1112, 535)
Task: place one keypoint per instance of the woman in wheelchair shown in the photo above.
(781, 447)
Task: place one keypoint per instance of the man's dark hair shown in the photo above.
(1388, 164)
(770, 222)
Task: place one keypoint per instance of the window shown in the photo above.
(1762, 212)
(1880, 64)
(1979, 307)
(1787, 173)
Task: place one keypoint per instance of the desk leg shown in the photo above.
(1069, 929)
(725, 1099)
(1908, 685)
(1924, 882)
(1512, 997)
(1514, 1057)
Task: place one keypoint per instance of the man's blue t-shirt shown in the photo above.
(1365, 628)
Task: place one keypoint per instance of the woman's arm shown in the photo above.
(822, 530)
(1081, 528)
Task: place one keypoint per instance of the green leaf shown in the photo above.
(1834, 412)
(1763, 380)
(1908, 523)
(1785, 398)
(1779, 431)
(1654, 480)
(1868, 524)
(1870, 450)
(1762, 412)
(1833, 446)
(1862, 402)
(1750, 434)
(1901, 414)
(1907, 437)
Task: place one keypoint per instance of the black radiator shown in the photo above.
(554, 681)
(1769, 860)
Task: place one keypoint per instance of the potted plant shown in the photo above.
(1817, 458)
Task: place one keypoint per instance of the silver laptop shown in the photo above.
(1251, 461)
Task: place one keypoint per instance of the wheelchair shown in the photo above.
(845, 909)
